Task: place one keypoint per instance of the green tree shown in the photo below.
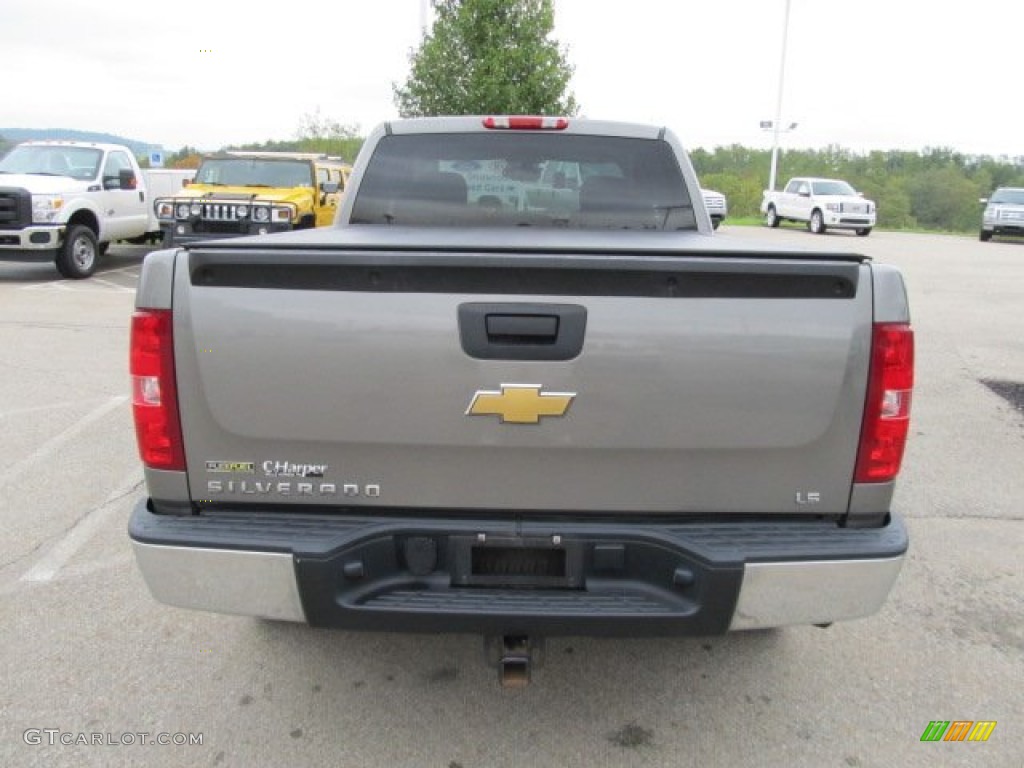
(893, 204)
(941, 198)
(488, 57)
(934, 188)
(319, 133)
(742, 192)
(186, 157)
(316, 133)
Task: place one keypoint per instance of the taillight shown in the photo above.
(154, 398)
(527, 123)
(883, 434)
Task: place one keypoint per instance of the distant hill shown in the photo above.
(18, 135)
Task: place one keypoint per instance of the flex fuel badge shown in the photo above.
(242, 467)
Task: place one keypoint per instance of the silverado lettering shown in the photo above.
(286, 489)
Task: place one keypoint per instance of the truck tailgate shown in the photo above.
(702, 383)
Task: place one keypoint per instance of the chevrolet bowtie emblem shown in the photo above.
(520, 403)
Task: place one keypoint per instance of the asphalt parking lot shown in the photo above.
(87, 651)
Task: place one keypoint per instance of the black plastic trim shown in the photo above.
(561, 278)
(15, 208)
(740, 540)
(234, 231)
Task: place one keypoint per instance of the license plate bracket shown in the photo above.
(517, 562)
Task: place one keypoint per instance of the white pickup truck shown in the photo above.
(717, 206)
(821, 203)
(66, 201)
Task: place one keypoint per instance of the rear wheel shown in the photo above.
(817, 223)
(984, 236)
(78, 253)
(770, 218)
(863, 231)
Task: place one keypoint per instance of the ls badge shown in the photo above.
(520, 403)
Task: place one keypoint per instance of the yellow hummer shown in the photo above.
(254, 193)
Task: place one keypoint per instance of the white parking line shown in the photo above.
(96, 284)
(48, 407)
(60, 439)
(78, 287)
(56, 285)
(50, 564)
(114, 286)
(78, 570)
(130, 271)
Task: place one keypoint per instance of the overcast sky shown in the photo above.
(864, 74)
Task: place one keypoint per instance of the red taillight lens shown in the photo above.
(154, 398)
(526, 123)
(883, 434)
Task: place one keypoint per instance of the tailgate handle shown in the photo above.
(520, 331)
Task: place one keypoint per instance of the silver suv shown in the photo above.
(1004, 213)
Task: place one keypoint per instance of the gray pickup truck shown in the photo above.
(445, 416)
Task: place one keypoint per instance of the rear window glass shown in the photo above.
(514, 179)
(254, 172)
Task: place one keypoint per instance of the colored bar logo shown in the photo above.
(958, 730)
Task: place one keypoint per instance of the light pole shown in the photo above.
(777, 123)
(776, 129)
